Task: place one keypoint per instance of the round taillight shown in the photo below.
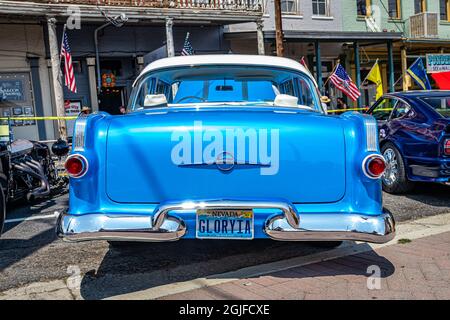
(374, 166)
(76, 166)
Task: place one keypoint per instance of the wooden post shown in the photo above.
(404, 68)
(56, 76)
(391, 67)
(358, 71)
(91, 64)
(319, 66)
(169, 37)
(278, 28)
(260, 36)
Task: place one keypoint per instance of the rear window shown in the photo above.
(440, 104)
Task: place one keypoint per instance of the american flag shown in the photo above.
(187, 47)
(343, 82)
(68, 66)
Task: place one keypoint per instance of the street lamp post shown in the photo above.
(118, 22)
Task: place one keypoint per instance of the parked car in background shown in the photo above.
(414, 129)
(225, 147)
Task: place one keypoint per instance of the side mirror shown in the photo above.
(155, 100)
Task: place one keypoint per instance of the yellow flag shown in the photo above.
(375, 77)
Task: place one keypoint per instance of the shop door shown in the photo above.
(111, 99)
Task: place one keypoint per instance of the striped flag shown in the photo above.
(187, 47)
(68, 66)
(343, 82)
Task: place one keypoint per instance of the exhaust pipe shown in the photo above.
(30, 168)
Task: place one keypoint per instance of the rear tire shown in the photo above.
(395, 180)
(2, 210)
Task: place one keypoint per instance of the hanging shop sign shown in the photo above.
(438, 63)
(108, 80)
(11, 90)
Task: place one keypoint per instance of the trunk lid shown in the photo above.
(158, 156)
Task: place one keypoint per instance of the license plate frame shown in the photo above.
(225, 215)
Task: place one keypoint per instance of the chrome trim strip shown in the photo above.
(371, 134)
(80, 133)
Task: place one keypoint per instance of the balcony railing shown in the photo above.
(424, 26)
(239, 5)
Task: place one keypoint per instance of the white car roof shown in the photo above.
(225, 59)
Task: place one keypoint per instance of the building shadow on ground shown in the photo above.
(433, 194)
(141, 267)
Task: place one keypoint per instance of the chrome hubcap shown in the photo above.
(391, 174)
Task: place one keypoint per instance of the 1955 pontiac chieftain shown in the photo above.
(225, 147)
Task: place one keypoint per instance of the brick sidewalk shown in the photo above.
(416, 270)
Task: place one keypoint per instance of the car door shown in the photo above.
(382, 111)
(412, 133)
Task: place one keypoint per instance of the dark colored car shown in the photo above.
(414, 130)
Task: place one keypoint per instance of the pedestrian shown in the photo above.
(341, 104)
(85, 110)
(122, 110)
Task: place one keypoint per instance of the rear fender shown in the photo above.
(361, 139)
(85, 191)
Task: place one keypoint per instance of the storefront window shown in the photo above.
(16, 97)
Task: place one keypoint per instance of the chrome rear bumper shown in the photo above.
(289, 225)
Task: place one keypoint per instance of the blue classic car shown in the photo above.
(414, 138)
(225, 147)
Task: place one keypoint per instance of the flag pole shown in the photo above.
(60, 55)
(334, 70)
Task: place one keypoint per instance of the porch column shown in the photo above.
(92, 84)
(404, 68)
(37, 92)
(169, 37)
(318, 65)
(140, 63)
(391, 67)
(357, 70)
(53, 43)
(260, 36)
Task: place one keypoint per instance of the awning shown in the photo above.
(305, 36)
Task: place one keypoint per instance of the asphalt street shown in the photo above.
(30, 251)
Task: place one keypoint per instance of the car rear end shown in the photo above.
(226, 147)
(325, 186)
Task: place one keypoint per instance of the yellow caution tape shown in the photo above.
(357, 109)
(39, 118)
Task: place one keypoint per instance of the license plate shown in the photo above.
(225, 224)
